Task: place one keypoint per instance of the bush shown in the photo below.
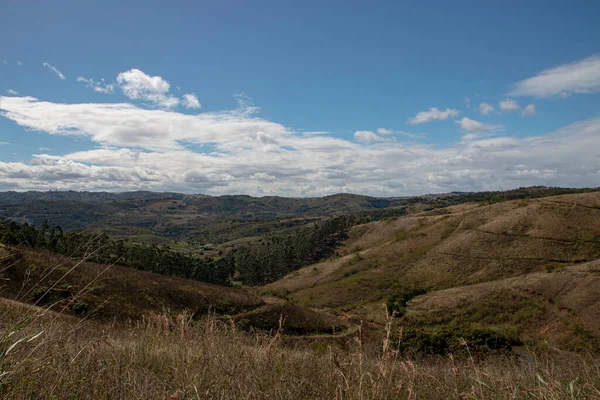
(453, 340)
(396, 303)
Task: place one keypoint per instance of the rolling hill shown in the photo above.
(535, 257)
(198, 222)
(109, 291)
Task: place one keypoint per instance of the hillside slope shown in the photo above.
(561, 307)
(491, 250)
(104, 292)
(109, 292)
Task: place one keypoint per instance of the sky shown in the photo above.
(383, 98)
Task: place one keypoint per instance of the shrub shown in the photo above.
(396, 303)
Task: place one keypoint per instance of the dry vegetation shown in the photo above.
(529, 254)
(521, 272)
(109, 292)
(48, 356)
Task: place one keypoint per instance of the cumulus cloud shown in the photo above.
(582, 76)
(53, 69)
(10, 91)
(470, 125)
(508, 105)
(190, 101)
(367, 136)
(137, 85)
(149, 149)
(100, 87)
(485, 108)
(433, 114)
(528, 110)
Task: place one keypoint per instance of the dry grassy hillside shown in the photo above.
(561, 308)
(49, 356)
(104, 292)
(109, 292)
(516, 246)
(481, 280)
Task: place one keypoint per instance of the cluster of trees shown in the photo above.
(102, 249)
(276, 257)
(282, 255)
(307, 245)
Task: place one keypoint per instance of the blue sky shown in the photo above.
(217, 97)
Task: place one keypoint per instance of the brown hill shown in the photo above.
(561, 307)
(90, 290)
(510, 245)
(109, 292)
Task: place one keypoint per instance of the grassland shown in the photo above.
(109, 291)
(487, 300)
(45, 355)
(524, 268)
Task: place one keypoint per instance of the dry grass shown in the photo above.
(47, 355)
(112, 292)
(469, 245)
(164, 357)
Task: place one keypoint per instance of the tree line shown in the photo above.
(277, 256)
(101, 249)
(307, 245)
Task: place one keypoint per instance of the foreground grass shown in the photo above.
(47, 356)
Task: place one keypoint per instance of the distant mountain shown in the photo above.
(196, 219)
(164, 217)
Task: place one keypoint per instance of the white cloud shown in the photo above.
(528, 110)
(485, 108)
(124, 125)
(384, 131)
(467, 102)
(433, 114)
(4, 143)
(411, 135)
(367, 136)
(509, 105)
(137, 85)
(582, 76)
(57, 72)
(10, 91)
(19, 63)
(5, 62)
(100, 87)
(45, 149)
(190, 101)
(313, 133)
(470, 125)
(241, 153)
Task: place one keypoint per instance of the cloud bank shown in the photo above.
(234, 151)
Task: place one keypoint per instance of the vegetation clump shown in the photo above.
(396, 302)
